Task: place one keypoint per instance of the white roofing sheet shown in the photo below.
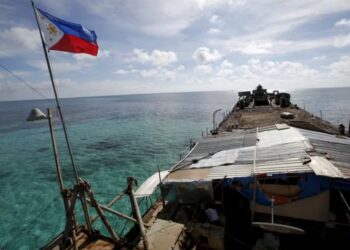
(220, 158)
(321, 166)
(148, 187)
(275, 137)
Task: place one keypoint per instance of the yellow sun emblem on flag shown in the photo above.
(52, 29)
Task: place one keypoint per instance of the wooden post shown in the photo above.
(70, 226)
(84, 185)
(136, 209)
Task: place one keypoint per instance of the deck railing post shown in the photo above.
(136, 210)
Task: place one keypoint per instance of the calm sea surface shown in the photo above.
(112, 138)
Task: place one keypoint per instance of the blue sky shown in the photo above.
(151, 46)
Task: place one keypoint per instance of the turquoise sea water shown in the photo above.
(112, 138)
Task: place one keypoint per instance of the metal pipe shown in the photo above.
(56, 95)
(254, 172)
(75, 170)
(55, 153)
(160, 187)
(214, 124)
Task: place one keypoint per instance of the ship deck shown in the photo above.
(261, 116)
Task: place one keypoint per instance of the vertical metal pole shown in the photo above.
(136, 209)
(321, 114)
(86, 212)
(349, 129)
(56, 96)
(55, 152)
(160, 186)
(83, 200)
(70, 219)
(304, 106)
(272, 207)
(254, 173)
(214, 122)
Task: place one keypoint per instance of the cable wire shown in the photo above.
(23, 81)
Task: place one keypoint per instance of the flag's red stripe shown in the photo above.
(70, 43)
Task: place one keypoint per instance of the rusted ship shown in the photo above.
(271, 176)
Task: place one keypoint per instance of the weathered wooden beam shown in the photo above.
(106, 208)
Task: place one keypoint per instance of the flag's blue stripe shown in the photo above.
(72, 28)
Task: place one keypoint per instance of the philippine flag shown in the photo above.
(66, 36)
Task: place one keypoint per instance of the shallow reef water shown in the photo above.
(112, 138)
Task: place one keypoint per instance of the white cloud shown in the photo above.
(61, 66)
(319, 58)
(268, 71)
(254, 48)
(160, 73)
(203, 55)
(18, 40)
(149, 72)
(341, 68)
(213, 31)
(85, 57)
(215, 19)
(181, 68)
(261, 47)
(342, 41)
(205, 69)
(226, 64)
(281, 69)
(159, 18)
(202, 4)
(125, 72)
(343, 23)
(156, 57)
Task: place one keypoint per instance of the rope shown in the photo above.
(23, 81)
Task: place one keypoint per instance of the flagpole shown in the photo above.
(82, 195)
(56, 96)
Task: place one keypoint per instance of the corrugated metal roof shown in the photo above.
(213, 144)
(280, 149)
(230, 171)
(335, 148)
